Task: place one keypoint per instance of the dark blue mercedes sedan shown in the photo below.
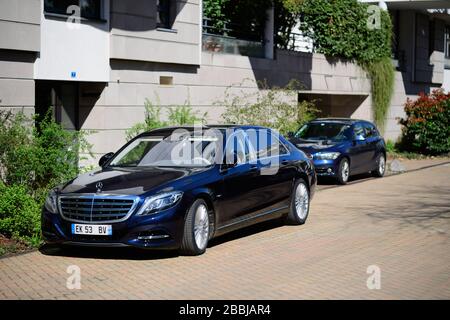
(342, 147)
(176, 188)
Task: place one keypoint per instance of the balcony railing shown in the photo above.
(230, 39)
(298, 42)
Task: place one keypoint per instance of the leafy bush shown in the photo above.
(353, 30)
(177, 116)
(33, 159)
(426, 128)
(19, 214)
(277, 108)
(38, 157)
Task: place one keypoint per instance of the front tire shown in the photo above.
(381, 166)
(343, 172)
(299, 208)
(196, 229)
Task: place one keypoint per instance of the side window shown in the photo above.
(269, 145)
(370, 130)
(236, 144)
(358, 131)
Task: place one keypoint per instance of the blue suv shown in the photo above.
(342, 147)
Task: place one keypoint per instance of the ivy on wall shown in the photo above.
(354, 31)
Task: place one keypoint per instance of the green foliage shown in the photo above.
(38, 157)
(19, 214)
(177, 116)
(249, 17)
(426, 128)
(277, 108)
(214, 10)
(33, 159)
(382, 78)
(353, 30)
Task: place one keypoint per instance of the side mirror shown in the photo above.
(105, 159)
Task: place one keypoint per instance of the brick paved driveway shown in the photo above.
(400, 224)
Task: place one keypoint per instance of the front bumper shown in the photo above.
(163, 230)
(326, 168)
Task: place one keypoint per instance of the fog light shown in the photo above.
(329, 170)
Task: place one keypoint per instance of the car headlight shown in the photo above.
(51, 202)
(159, 202)
(326, 155)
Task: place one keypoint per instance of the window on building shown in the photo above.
(89, 9)
(447, 42)
(164, 17)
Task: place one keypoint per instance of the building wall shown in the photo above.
(135, 35)
(19, 43)
(73, 50)
(121, 103)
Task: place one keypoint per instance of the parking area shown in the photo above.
(398, 226)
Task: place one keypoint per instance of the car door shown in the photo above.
(276, 171)
(372, 139)
(240, 187)
(360, 150)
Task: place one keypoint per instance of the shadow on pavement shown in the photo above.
(151, 254)
(107, 253)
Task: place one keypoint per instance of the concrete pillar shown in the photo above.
(269, 33)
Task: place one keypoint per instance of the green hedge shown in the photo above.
(426, 127)
(19, 214)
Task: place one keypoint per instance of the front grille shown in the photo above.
(96, 208)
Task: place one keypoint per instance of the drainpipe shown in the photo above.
(269, 31)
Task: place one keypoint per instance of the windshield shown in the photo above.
(174, 151)
(325, 131)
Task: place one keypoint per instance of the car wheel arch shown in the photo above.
(207, 197)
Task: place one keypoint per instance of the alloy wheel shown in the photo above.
(201, 227)
(301, 201)
(345, 171)
(381, 165)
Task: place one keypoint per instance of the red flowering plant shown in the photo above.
(426, 128)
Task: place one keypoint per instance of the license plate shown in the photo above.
(92, 229)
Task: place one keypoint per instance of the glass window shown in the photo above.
(236, 144)
(447, 42)
(370, 130)
(89, 9)
(183, 150)
(164, 14)
(324, 131)
(265, 144)
(358, 130)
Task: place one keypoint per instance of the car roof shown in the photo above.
(168, 130)
(341, 120)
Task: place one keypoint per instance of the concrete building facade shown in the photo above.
(94, 62)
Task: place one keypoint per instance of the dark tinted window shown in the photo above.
(89, 9)
(164, 16)
(370, 130)
(325, 131)
(359, 131)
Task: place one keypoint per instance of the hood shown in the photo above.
(127, 181)
(314, 146)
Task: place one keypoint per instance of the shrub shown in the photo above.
(426, 128)
(38, 157)
(177, 116)
(19, 214)
(277, 108)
